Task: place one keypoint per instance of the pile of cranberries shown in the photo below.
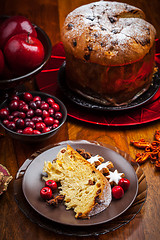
(31, 114)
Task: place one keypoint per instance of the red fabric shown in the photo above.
(47, 82)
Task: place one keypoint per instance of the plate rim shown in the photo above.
(83, 142)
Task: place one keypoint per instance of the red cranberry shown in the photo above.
(15, 114)
(36, 98)
(33, 105)
(40, 126)
(15, 119)
(4, 113)
(56, 107)
(28, 130)
(5, 122)
(58, 115)
(50, 127)
(30, 124)
(30, 113)
(36, 131)
(15, 97)
(56, 121)
(48, 121)
(14, 104)
(20, 123)
(45, 113)
(10, 117)
(51, 112)
(27, 120)
(45, 129)
(36, 119)
(38, 103)
(55, 125)
(22, 115)
(38, 112)
(19, 131)
(44, 106)
(27, 96)
(24, 108)
(50, 101)
(11, 126)
(21, 102)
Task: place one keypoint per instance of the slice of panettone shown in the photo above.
(85, 188)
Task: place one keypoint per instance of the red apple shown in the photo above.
(15, 25)
(23, 53)
(1, 62)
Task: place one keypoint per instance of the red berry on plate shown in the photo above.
(124, 183)
(51, 184)
(117, 192)
(46, 193)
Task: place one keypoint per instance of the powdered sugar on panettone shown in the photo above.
(106, 31)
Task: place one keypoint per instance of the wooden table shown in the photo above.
(49, 15)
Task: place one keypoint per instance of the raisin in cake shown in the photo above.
(109, 49)
(86, 190)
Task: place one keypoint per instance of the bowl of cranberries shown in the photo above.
(32, 116)
(25, 49)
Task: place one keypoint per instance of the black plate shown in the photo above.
(86, 103)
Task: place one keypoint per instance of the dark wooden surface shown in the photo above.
(49, 15)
